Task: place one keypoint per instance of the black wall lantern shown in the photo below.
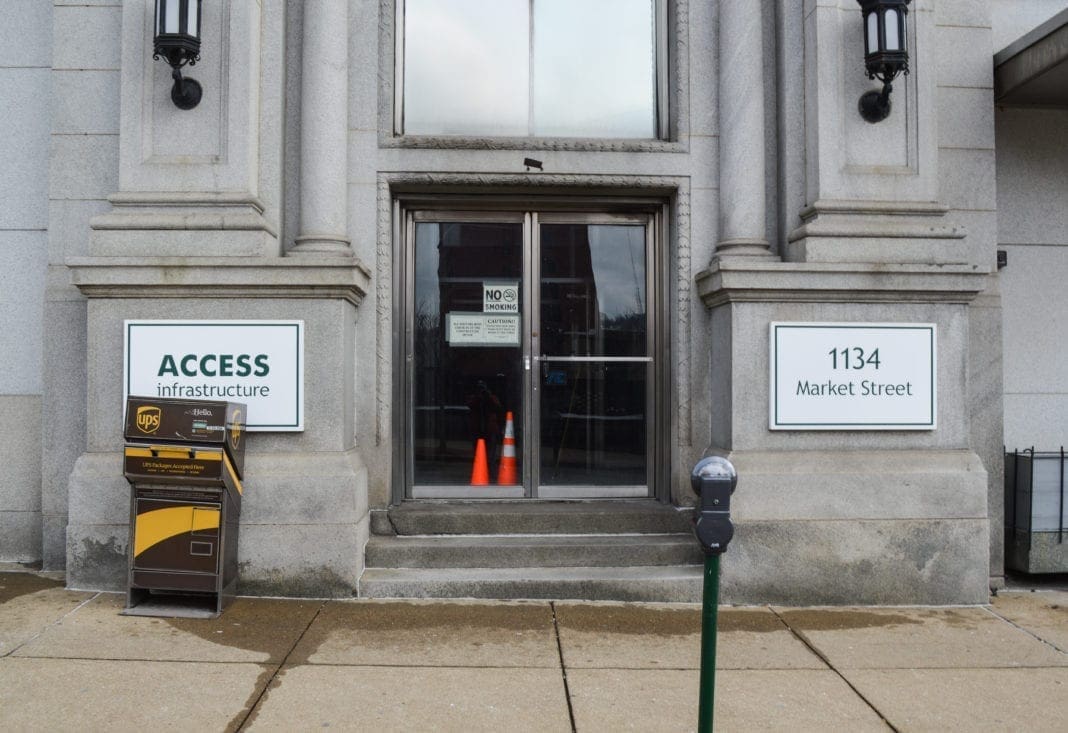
(886, 52)
(177, 40)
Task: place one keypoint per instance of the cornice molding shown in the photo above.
(737, 281)
(341, 278)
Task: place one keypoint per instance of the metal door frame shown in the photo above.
(532, 212)
(580, 491)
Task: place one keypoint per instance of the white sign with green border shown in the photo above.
(853, 376)
(259, 363)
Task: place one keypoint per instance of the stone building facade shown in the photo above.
(330, 159)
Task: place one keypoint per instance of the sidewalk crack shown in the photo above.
(242, 719)
(563, 668)
(54, 623)
(1024, 629)
(800, 636)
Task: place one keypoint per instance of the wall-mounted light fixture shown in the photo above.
(886, 52)
(177, 29)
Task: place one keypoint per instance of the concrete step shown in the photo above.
(514, 551)
(644, 516)
(661, 583)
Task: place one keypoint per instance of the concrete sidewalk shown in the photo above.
(69, 661)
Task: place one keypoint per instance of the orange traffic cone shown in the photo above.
(506, 473)
(480, 470)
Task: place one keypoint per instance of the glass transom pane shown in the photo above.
(466, 67)
(552, 68)
(594, 64)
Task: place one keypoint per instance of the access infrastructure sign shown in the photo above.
(853, 376)
(259, 363)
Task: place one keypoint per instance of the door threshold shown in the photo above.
(550, 493)
(472, 492)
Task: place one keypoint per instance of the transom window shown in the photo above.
(542, 68)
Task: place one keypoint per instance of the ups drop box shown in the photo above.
(184, 460)
(183, 551)
(200, 422)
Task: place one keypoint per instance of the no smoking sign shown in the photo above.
(500, 297)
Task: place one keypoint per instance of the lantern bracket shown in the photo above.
(874, 106)
(186, 92)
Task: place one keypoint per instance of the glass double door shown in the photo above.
(530, 355)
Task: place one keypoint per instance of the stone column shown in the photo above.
(324, 127)
(741, 130)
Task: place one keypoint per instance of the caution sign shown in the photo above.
(481, 329)
(500, 297)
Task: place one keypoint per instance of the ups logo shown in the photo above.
(235, 429)
(148, 419)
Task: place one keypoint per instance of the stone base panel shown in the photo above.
(20, 536)
(304, 524)
(859, 562)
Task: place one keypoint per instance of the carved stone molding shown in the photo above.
(752, 281)
(207, 223)
(220, 277)
(877, 231)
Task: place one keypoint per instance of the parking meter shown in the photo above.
(713, 480)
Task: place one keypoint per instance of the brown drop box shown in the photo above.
(183, 551)
(202, 423)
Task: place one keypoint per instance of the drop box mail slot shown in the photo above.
(200, 422)
(183, 465)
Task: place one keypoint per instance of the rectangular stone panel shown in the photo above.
(87, 37)
(20, 453)
(24, 147)
(27, 34)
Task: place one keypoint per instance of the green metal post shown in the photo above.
(707, 689)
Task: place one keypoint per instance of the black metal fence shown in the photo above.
(1034, 497)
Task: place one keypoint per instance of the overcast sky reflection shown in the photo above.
(468, 68)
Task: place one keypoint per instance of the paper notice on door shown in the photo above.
(481, 329)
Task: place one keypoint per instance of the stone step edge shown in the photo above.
(444, 552)
(608, 572)
(548, 537)
(634, 584)
(633, 516)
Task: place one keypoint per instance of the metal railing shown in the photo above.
(1030, 474)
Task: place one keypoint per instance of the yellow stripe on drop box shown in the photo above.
(233, 475)
(161, 524)
(173, 451)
